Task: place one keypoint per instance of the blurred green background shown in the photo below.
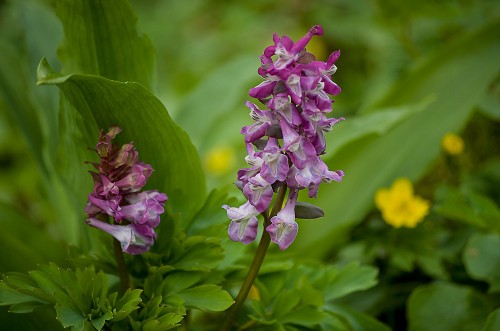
(410, 72)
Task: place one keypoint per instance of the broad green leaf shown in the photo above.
(446, 307)
(493, 321)
(408, 148)
(207, 297)
(102, 103)
(376, 123)
(101, 39)
(481, 257)
(215, 98)
(16, 104)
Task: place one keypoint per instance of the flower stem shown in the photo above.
(121, 266)
(265, 239)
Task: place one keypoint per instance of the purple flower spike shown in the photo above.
(283, 228)
(117, 194)
(286, 140)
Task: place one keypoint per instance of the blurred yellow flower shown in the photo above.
(219, 160)
(452, 144)
(399, 206)
(254, 293)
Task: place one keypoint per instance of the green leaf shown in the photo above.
(126, 304)
(68, 315)
(446, 307)
(481, 257)
(468, 207)
(207, 297)
(286, 301)
(221, 93)
(493, 321)
(352, 278)
(98, 323)
(305, 316)
(197, 253)
(377, 123)
(9, 296)
(410, 147)
(101, 39)
(178, 281)
(356, 320)
(103, 103)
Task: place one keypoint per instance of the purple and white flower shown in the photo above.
(117, 195)
(286, 139)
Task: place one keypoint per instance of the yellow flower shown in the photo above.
(254, 293)
(399, 206)
(219, 160)
(452, 144)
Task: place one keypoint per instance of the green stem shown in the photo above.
(265, 239)
(121, 266)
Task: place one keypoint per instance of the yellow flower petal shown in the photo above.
(399, 206)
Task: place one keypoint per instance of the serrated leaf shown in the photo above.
(101, 39)
(207, 297)
(126, 304)
(98, 323)
(103, 103)
(69, 315)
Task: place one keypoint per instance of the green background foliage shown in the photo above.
(410, 72)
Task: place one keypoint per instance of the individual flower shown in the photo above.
(117, 204)
(453, 144)
(283, 228)
(243, 226)
(399, 206)
(286, 140)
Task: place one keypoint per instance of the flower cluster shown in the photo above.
(399, 206)
(287, 138)
(118, 194)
